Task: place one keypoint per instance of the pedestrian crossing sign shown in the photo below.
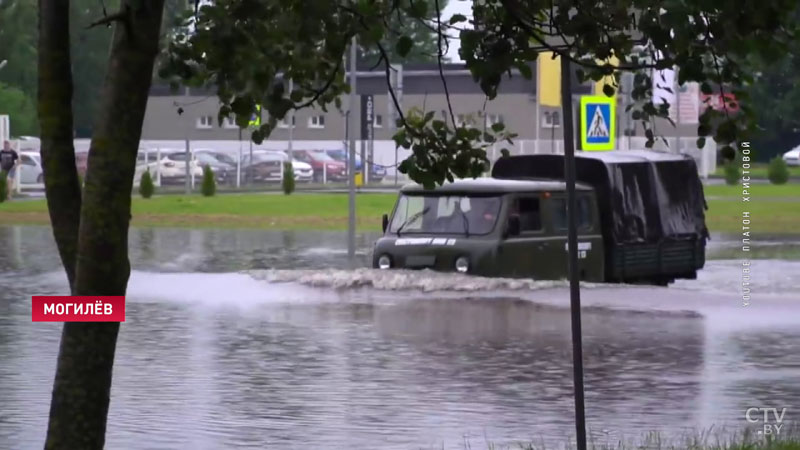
(255, 118)
(598, 117)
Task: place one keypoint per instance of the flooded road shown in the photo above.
(252, 339)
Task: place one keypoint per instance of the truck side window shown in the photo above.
(530, 217)
(584, 213)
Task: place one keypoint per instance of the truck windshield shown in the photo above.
(442, 214)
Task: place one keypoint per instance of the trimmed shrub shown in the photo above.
(288, 178)
(146, 186)
(3, 185)
(209, 187)
(733, 173)
(778, 171)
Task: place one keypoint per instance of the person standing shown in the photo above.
(8, 164)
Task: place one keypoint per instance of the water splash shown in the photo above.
(396, 280)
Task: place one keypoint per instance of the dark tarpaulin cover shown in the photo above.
(643, 196)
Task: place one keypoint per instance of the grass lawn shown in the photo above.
(267, 211)
(773, 210)
(759, 170)
(758, 192)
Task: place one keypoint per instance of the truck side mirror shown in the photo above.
(385, 222)
(513, 227)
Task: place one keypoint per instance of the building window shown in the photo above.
(316, 121)
(205, 122)
(284, 123)
(377, 121)
(230, 122)
(551, 119)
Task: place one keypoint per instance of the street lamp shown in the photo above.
(3, 63)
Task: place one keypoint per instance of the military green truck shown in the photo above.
(640, 218)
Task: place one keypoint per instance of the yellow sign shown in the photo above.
(359, 179)
(598, 122)
(255, 119)
(548, 88)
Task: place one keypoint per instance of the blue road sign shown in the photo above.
(598, 123)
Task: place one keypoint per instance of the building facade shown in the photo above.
(421, 87)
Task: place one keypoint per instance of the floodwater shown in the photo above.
(253, 339)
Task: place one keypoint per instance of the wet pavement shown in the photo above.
(255, 339)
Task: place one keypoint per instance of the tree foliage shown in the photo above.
(778, 171)
(421, 33)
(146, 186)
(209, 185)
(242, 49)
(3, 185)
(20, 109)
(288, 182)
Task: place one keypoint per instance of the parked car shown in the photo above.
(224, 172)
(30, 168)
(303, 172)
(377, 172)
(792, 157)
(172, 166)
(265, 166)
(320, 161)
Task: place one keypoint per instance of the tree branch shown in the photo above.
(318, 93)
(441, 68)
(387, 68)
(119, 16)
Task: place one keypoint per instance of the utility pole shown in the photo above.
(291, 124)
(188, 152)
(351, 160)
(572, 244)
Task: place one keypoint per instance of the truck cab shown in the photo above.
(491, 227)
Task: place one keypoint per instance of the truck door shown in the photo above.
(519, 255)
(590, 242)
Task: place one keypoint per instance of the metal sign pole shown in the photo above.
(351, 223)
(572, 243)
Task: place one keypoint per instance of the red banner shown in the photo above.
(78, 308)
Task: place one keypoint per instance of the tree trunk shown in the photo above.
(55, 117)
(82, 387)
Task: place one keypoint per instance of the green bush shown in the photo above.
(778, 171)
(209, 187)
(3, 186)
(146, 187)
(733, 173)
(288, 178)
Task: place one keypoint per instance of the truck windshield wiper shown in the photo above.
(412, 219)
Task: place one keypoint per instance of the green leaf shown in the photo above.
(457, 18)
(404, 45)
(701, 142)
(608, 90)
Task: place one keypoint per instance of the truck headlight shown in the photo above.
(384, 262)
(462, 264)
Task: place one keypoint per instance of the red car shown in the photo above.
(319, 160)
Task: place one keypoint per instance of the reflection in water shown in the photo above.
(226, 360)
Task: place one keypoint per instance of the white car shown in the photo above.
(172, 166)
(302, 171)
(792, 157)
(30, 168)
